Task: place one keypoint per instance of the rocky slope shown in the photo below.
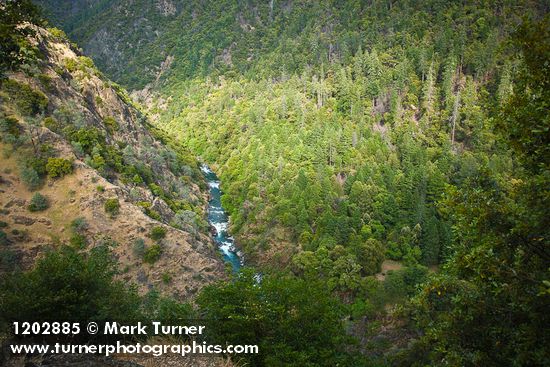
(126, 190)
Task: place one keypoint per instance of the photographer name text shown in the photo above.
(156, 328)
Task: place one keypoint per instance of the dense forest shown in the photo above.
(348, 136)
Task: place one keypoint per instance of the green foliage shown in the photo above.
(79, 225)
(59, 167)
(148, 211)
(82, 63)
(370, 256)
(16, 49)
(58, 34)
(524, 120)
(78, 241)
(156, 190)
(30, 178)
(9, 128)
(38, 203)
(281, 315)
(111, 123)
(327, 177)
(112, 206)
(4, 238)
(186, 220)
(79, 287)
(338, 267)
(71, 286)
(157, 233)
(29, 101)
(404, 283)
(153, 214)
(9, 261)
(38, 163)
(138, 247)
(152, 254)
(52, 124)
(487, 308)
(167, 310)
(88, 138)
(33, 165)
(46, 81)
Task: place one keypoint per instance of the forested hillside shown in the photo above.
(347, 134)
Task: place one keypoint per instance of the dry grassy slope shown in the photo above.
(191, 260)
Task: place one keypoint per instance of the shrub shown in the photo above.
(111, 123)
(29, 101)
(157, 233)
(78, 241)
(86, 62)
(57, 34)
(185, 219)
(97, 161)
(52, 124)
(77, 149)
(81, 63)
(58, 167)
(71, 64)
(79, 225)
(112, 206)
(45, 80)
(137, 179)
(8, 259)
(9, 125)
(108, 242)
(69, 286)
(152, 254)
(153, 214)
(100, 188)
(148, 211)
(144, 204)
(156, 190)
(46, 150)
(30, 178)
(38, 203)
(3, 224)
(139, 247)
(3, 238)
(58, 70)
(166, 278)
(38, 163)
(88, 138)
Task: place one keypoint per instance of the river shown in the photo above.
(217, 217)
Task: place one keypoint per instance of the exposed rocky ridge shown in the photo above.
(77, 91)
